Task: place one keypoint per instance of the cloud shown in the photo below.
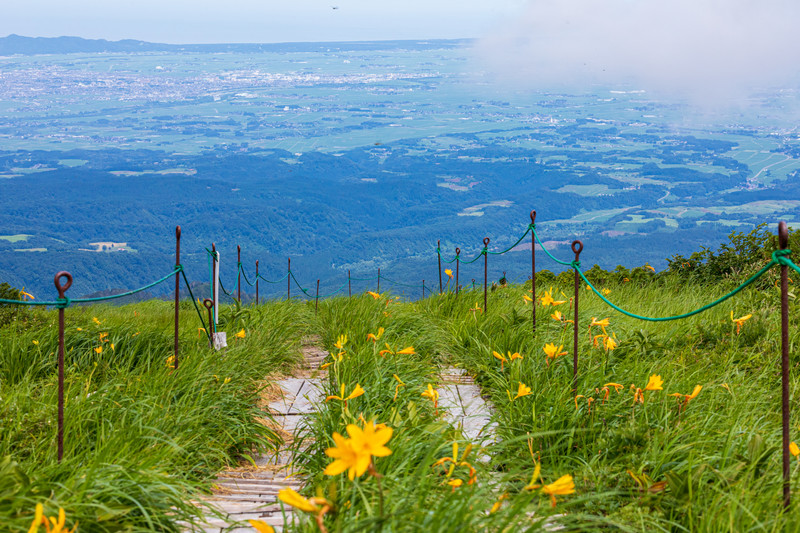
(704, 50)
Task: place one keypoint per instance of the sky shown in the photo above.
(256, 21)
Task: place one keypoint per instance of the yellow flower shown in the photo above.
(399, 384)
(449, 273)
(79, 329)
(374, 294)
(340, 342)
(357, 391)
(557, 316)
(35, 342)
(25, 295)
(552, 351)
(498, 503)
(606, 292)
(617, 386)
(95, 320)
(54, 526)
(201, 332)
(112, 347)
(291, 497)
(475, 309)
(655, 383)
(455, 483)
(794, 449)
(609, 343)
(389, 350)
(560, 487)
(241, 334)
(346, 458)
(261, 526)
(648, 267)
(522, 390)
(171, 361)
(99, 349)
(515, 355)
(688, 397)
(433, 395)
(526, 298)
(602, 323)
(104, 337)
(373, 337)
(739, 321)
(547, 299)
(371, 439)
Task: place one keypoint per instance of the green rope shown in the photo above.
(481, 254)
(199, 314)
(398, 283)
(262, 278)
(560, 262)
(245, 275)
(530, 227)
(751, 279)
(63, 303)
(780, 257)
(365, 279)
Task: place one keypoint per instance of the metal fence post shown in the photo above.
(239, 273)
(214, 280)
(423, 289)
(209, 304)
(349, 286)
(316, 300)
(783, 243)
(256, 281)
(289, 280)
(61, 296)
(458, 262)
(577, 247)
(485, 275)
(533, 269)
(379, 281)
(439, 257)
(177, 288)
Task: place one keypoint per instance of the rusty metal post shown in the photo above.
(533, 269)
(61, 296)
(289, 280)
(485, 275)
(423, 289)
(213, 276)
(349, 286)
(439, 256)
(473, 284)
(256, 281)
(783, 243)
(379, 281)
(239, 273)
(316, 300)
(577, 247)
(458, 262)
(209, 304)
(177, 288)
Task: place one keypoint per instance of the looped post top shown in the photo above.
(485, 245)
(458, 251)
(177, 232)
(533, 217)
(577, 248)
(62, 288)
(208, 303)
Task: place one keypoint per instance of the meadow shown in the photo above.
(638, 446)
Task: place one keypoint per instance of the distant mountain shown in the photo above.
(19, 45)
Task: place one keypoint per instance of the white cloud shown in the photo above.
(702, 49)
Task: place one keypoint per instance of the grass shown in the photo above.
(142, 440)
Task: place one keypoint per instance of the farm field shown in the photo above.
(671, 426)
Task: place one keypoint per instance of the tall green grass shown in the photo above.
(140, 439)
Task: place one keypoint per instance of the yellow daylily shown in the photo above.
(99, 349)
(526, 298)
(648, 267)
(617, 386)
(112, 347)
(104, 337)
(449, 273)
(602, 323)
(171, 361)
(346, 458)
(357, 391)
(53, 526)
(522, 390)
(794, 449)
(498, 503)
(606, 292)
(455, 483)
(261, 526)
(739, 321)
(389, 350)
(552, 351)
(560, 487)
(654, 383)
(26, 295)
(95, 320)
(291, 497)
(241, 334)
(609, 343)
(589, 401)
(374, 337)
(201, 332)
(371, 439)
(475, 309)
(433, 395)
(35, 342)
(688, 397)
(399, 384)
(547, 299)
(340, 342)
(501, 358)
(374, 294)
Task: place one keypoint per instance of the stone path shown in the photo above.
(251, 493)
(461, 400)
